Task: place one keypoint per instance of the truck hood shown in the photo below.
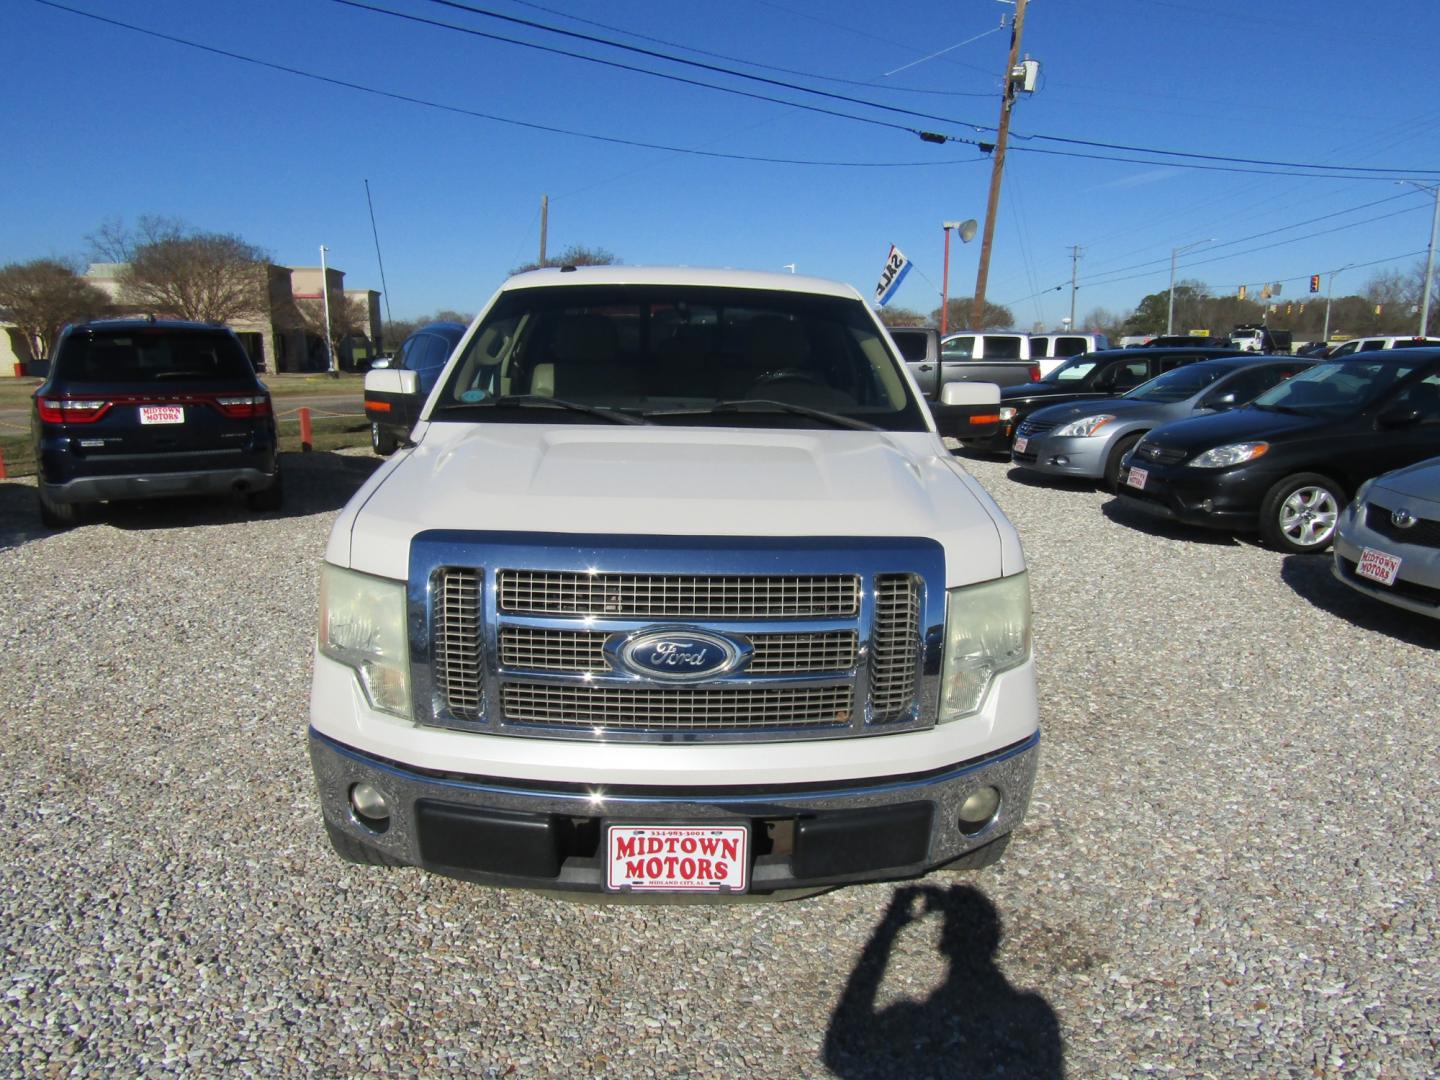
(669, 481)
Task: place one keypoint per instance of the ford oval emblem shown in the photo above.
(680, 654)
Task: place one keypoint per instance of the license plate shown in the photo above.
(1021, 441)
(1137, 477)
(162, 414)
(677, 858)
(1378, 566)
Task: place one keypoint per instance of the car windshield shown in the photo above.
(1336, 388)
(1177, 384)
(1073, 370)
(151, 354)
(678, 354)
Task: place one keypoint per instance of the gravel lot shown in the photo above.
(1229, 866)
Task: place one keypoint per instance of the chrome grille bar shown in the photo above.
(458, 649)
(677, 710)
(668, 596)
(528, 648)
(895, 663)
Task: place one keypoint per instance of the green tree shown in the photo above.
(42, 295)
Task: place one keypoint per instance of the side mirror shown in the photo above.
(380, 363)
(967, 410)
(1221, 402)
(409, 381)
(1398, 418)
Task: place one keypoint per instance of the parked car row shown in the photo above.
(1308, 454)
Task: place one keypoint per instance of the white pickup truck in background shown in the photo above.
(677, 592)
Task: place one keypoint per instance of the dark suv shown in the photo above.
(144, 409)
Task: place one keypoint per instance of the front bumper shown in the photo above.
(1211, 498)
(1417, 585)
(1062, 456)
(532, 834)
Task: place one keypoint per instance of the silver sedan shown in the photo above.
(1087, 439)
(1388, 541)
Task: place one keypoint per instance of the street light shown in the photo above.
(967, 233)
(1430, 259)
(1170, 313)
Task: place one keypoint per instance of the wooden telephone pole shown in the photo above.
(1007, 102)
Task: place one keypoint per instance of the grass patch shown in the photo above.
(336, 433)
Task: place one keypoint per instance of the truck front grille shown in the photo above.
(679, 710)
(654, 596)
(824, 651)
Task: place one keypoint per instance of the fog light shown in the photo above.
(978, 809)
(1060, 459)
(369, 803)
(1207, 505)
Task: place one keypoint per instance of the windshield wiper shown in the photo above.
(744, 404)
(539, 401)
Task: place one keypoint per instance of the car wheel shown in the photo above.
(271, 498)
(382, 442)
(1112, 463)
(1299, 514)
(55, 515)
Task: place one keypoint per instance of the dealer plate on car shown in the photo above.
(677, 858)
(1136, 477)
(1021, 441)
(162, 414)
(1378, 566)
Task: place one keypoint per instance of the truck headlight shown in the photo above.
(362, 625)
(1084, 427)
(987, 631)
(1007, 413)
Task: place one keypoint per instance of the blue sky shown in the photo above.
(102, 123)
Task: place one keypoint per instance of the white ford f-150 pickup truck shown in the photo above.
(674, 590)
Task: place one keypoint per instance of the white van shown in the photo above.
(1052, 350)
(1392, 341)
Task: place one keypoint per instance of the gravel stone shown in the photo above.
(1229, 864)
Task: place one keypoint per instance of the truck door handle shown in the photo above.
(925, 367)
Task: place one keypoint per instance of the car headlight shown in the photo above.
(1007, 413)
(987, 631)
(1233, 454)
(362, 625)
(1084, 427)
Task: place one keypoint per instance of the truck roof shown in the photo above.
(678, 275)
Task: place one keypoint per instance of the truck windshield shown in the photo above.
(678, 354)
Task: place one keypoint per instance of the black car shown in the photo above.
(144, 409)
(393, 400)
(1287, 463)
(1104, 374)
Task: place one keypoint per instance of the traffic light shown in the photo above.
(1314, 282)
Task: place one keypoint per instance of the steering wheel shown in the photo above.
(788, 375)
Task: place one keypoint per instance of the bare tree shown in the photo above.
(348, 318)
(899, 316)
(173, 270)
(995, 317)
(43, 295)
(574, 255)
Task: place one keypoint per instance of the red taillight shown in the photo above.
(1034, 372)
(244, 408)
(71, 410)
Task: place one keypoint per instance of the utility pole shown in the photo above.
(1007, 102)
(325, 299)
(1429, 259)
(1074, 269)
(544, 224)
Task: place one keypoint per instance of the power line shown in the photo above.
(653, 54)
(477, 114)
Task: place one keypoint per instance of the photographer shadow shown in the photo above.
(976, 1024)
